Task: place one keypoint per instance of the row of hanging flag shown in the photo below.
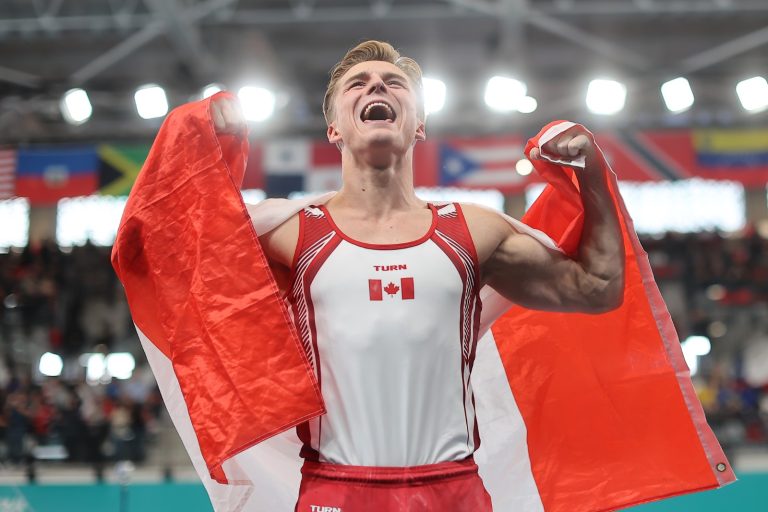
(47, 174)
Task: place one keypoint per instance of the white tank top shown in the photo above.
(390, 331)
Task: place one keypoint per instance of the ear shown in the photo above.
(334, 137)
(421, 131)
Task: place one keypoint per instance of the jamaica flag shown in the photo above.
(118, 167)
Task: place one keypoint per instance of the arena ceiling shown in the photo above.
(109, 47)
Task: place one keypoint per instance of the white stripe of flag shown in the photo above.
(7, 173)
(504, 153)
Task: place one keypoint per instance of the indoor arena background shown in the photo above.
(675, 91)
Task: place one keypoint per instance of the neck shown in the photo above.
(377, 189)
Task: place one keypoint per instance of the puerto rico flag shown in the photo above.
(482, 163)
(576, 412)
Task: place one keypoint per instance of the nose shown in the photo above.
(377, 84)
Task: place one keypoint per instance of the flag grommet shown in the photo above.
(720, 467)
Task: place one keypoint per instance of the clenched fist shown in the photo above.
(227, 116)
(569, 145)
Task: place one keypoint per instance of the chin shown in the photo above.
(381, 153)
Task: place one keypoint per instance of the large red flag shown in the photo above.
(611, 414)
(201, 292)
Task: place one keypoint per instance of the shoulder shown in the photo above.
(482, 219)
(279, 244)
(487, 227)
(263, 212)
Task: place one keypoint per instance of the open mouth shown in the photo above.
(378, 111)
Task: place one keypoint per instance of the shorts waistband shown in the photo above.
(388, 474)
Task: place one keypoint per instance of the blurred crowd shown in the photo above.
(68, 301)
(737, 266)
(77, 422)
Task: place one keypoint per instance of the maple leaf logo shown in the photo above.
(392, 288)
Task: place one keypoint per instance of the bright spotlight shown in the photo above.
(606, 97)
(693, 347)
(211, 89)
(524, 167)
(51, 365)
(120, 365)
(151, 101)
(699, 345)
(753, 93)
(95, 368)
(434, 95)
(527, 105)
(75, 106)
(504, 94)
(258, 104)
(677, 95)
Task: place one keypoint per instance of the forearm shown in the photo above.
(601, 251)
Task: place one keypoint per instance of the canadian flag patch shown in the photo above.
(377, 289)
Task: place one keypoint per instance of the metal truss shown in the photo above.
(184, 24)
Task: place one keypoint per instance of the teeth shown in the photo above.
(367, 110)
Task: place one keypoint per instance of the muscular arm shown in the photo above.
(529, 274)
(279, 246)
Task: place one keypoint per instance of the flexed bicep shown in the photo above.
(532, 275)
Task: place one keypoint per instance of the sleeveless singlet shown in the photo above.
(390, 332)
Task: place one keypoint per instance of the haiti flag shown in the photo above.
(49, 174)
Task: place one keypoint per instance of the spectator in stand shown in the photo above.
(17, 417)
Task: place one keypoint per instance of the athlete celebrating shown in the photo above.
(384, 293)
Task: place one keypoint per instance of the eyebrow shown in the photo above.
(366, 74)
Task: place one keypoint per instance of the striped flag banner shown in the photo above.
(325, 169)
(7, 173)
(285, 163)
(45, 175)
(483, 162)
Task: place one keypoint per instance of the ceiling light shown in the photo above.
(434, 95)
(753, 93)
(504, 94)
(606, 97)
(258, 104)
(677, 95)
(527, 105)
(151, 101)
(75, 106)
(211, 89)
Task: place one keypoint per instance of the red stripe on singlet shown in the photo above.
(406, 288)
(374, 289)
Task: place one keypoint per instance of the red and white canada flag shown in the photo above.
(405, 289)
(563, 400)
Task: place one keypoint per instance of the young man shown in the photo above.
(384, 292)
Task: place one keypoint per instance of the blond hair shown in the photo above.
(368, 51)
